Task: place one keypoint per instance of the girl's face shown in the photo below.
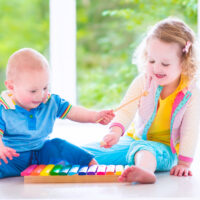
(164, 62)
(31, 88)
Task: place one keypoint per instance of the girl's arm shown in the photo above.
(181, 169)
(125, 115)
(189, 136)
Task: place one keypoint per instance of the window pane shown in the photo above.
(107, 34)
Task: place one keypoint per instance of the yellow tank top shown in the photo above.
(160, 128)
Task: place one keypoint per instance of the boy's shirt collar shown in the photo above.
(8, 102)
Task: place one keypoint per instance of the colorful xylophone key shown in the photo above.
(83, 170)
(59, 173)
(46, 171)
(119, 169)
(37, 170)
(74, 170)
(101, 170)
(110, 170)
(64, 170)
(92, 170)
(28, 170)
(55, 170)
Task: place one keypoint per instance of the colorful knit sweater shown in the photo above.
(185, 116)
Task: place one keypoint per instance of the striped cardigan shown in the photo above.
(185, 116)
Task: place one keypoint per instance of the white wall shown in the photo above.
(63, 48)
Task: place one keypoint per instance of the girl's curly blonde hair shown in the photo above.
(172, 30)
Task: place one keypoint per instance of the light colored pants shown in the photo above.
(123, 153)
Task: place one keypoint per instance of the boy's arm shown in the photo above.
(6, 152)
(81, 114)
(1, 142)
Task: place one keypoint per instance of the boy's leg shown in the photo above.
(56, 150)
(15, 166)
(116, 155)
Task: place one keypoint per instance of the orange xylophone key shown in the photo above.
(110, 170)
(37, 170)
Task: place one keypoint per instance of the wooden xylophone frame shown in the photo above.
(72, 179)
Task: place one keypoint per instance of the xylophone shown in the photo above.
(72, 174)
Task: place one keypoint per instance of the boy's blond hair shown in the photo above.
(25, 59)
(172, 30)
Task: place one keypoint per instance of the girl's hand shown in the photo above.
(6, 152)
(110, 139)
(104, 117)
(181, 170)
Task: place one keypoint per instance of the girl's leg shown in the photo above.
(147, 156)
(57, 150)
(116, 155)
(143, 171)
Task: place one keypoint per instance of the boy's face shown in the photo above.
(31, 88)
(163, 62)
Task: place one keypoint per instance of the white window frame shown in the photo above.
(198, 20)
(63, 48)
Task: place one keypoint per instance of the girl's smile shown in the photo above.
(160, 76)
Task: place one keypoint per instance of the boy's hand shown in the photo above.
(110, 139)
(104, 117)
(6, 152)
(181, 169)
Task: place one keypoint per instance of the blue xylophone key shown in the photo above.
(73, 170)
(83, 170)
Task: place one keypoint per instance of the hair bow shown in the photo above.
(187, 47)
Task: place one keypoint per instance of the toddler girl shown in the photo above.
(166, 121)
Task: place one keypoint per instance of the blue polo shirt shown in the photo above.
(25, 130)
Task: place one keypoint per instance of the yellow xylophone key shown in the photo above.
(46, 170)
(119, 169)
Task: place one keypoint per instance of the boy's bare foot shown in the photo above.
(93, 162)
(136, 174)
